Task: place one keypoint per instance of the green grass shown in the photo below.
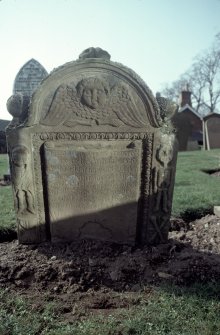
(195, 190)
(7, 220)
(4, 165)
(169, 310)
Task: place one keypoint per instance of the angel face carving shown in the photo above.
(93, 92)
(93, 101)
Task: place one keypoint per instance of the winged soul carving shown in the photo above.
(94, 102)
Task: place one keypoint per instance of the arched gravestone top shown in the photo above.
(29, 77)
(123, 97)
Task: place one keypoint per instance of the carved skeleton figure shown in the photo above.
(162, 177)
(94, 102)
(21, 179)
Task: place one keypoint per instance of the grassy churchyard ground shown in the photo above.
(155, 309)
(7, 221)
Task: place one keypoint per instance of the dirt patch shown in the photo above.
(91, 275)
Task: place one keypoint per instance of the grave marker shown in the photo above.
(96, 158)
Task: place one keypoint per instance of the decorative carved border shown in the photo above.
(143, 218)
(80, 136)
(37, 176)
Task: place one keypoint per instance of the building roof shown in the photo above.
(188, 107)
(210, 115)
(4, 124)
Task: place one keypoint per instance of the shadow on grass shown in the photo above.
(211, 171)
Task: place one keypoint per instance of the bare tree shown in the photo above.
(209, 64)
(172, 91)
(203, 78)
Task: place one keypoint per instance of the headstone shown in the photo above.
(212, 131)
(29, 78)
(26, 82)
(94, 158)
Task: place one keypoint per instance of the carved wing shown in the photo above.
(126, 108)
(63, 106)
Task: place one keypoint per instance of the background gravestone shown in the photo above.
(211, 124)
(29, 78)
(26, 82)
(95, 157)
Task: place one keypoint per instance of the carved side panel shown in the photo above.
(24, 192)
(162, 184)
(144, 201)
(93, 189)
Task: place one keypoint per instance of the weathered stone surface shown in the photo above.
(29, 78)
(94, 53)
(97, 180)
(17, 106)
(94, 158)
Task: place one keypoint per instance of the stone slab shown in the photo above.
(99, 187)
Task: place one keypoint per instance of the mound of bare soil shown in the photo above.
(94, 273)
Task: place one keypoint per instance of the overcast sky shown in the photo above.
(158, 39)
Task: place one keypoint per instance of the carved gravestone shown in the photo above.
(29, 78)
(94, 158)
